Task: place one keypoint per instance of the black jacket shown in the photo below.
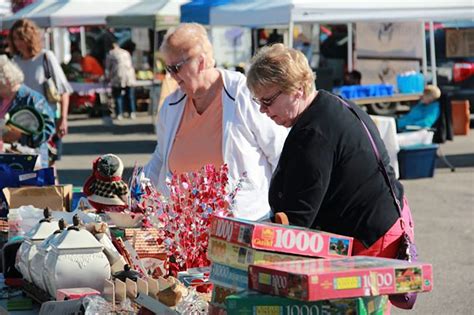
(328, 178)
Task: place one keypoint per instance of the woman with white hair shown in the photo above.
(212, 119)
(14, 95)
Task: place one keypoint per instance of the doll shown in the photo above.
(105, 188)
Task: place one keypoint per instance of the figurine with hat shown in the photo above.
(105, 188)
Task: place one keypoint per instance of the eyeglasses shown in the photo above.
(267, 102)
(174, 69)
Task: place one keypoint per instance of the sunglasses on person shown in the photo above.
(267, 102)
(174, 69)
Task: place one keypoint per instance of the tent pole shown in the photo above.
(424, 56)
(82, 36)
(433, 54)
(350, 58)
(291, 27)
(47, 39)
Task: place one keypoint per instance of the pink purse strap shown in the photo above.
(379, 159)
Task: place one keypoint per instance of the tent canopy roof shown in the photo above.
(198, 11)
(63, 13)
(280, 12)
(153, 14)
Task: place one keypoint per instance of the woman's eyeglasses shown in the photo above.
(267, 102)
(174, 69)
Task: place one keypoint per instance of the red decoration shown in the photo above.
(183, 219)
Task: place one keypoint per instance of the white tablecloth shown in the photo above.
(388, 131)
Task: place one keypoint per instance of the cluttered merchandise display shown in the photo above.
(126, 248)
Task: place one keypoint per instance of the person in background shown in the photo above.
(25, 45)
(91, 68)
(88, 66)
(13, 95)
(425, 113)
(120, 73)
(328, 177)
(212, 119)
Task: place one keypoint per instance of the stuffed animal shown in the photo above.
(105, 188)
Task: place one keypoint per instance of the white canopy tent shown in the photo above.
(280, 12)
(288, 12)
(154, 14)
(5, 8)
(64, 13)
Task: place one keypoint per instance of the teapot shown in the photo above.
(76, 259)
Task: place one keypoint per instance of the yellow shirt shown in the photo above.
(198, 140)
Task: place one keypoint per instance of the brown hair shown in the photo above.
(189, 39)
(284, 67)
(27, 31)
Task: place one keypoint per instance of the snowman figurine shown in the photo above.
(105, 189)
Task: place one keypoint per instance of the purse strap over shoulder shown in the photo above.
(377, 156)
(47, 66)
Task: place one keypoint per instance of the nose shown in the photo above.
(263, 109)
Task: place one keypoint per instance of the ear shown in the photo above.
(202, 62)
(299, 93)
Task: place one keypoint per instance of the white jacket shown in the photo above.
(251, 144)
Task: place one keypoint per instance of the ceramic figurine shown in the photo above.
(105, 188)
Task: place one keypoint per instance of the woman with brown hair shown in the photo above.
(37, 65)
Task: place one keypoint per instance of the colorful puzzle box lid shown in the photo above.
(314, 280)
(251, 302)
(281, 238)
(228, 276)
(241, 256)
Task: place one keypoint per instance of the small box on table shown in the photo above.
(251, 302)
(325, 279)
(281, 238)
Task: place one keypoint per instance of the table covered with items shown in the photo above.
(132, 249)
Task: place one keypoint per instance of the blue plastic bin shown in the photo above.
(414, 83)
(361, 91)
(417, 161)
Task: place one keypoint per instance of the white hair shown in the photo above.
(10, 73)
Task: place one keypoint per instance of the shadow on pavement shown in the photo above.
(114, 147)
(78, 177)
(113, 129)
(457, 160)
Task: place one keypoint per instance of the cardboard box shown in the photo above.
(57, 197)
(241, 257)
(229, 277)
(325, 279)
(251, 302)
(281, 238)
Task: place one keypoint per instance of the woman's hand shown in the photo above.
(62, 127)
